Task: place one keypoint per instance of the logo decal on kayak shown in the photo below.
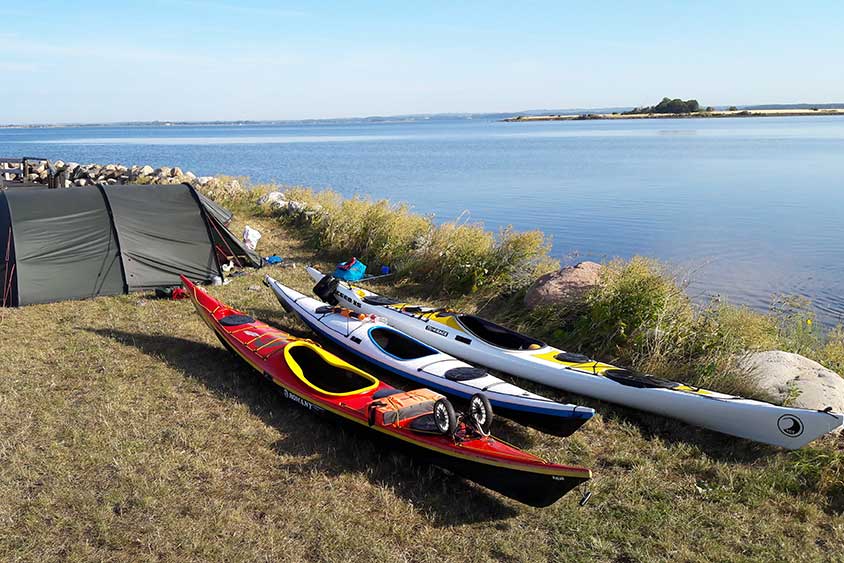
(790, 425)
(349, 299)
(436, 330)
(297, 399)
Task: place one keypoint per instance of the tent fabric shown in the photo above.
(76, 243)
(217, 211)
(162, 234)
(9, 288)
(229, 247)
(64, 244)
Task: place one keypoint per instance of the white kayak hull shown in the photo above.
(388, 348)
(787, 427)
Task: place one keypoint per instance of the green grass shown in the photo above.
(127, 433)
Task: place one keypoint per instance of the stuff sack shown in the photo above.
(352, 270)
(399, 407)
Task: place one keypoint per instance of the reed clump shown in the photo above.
(640, 315)
(455, 257)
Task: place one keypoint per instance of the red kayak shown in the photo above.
(422, 420)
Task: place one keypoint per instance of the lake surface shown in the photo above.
(748, 208)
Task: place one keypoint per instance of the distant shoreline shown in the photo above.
(696, 115)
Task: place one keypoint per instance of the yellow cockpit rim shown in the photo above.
(331, 360)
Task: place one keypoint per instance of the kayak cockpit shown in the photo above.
(325, 373)
(497, 335)
(398, 345)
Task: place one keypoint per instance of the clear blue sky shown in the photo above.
(249, 59)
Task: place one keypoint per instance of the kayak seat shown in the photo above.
(379, 300)
(236, 320)
(465, 374)
(328, 377)
(639, 380)
(399, 345)
(499, 336)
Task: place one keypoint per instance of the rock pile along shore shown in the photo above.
(70, 174)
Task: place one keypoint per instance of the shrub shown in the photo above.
(453, 257)
(632, 299)
(641, 316)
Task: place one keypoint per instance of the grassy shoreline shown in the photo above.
(127, 433)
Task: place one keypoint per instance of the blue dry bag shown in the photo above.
(352, 270)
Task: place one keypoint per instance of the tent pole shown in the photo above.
(8, 285)
(7, 282)
(233, 253)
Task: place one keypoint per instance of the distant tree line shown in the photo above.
(667, 105)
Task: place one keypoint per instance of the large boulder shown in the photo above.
(795, 380)
(565, 286)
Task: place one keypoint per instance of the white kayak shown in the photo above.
(398, 353)
(479, 341)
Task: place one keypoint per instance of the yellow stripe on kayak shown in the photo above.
(598, 368)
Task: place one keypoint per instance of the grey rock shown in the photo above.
(795, 379)
(273, 198)
(565, 286)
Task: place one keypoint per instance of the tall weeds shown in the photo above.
(455, 257)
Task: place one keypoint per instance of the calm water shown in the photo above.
(749, 208)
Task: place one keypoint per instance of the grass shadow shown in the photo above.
(322, 444)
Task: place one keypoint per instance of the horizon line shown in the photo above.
(379, 117)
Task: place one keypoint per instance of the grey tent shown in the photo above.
(76, 243)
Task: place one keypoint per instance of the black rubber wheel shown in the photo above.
(481, 411)
(444, 417)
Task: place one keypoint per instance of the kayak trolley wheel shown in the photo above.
(444, 417)
(481, 411)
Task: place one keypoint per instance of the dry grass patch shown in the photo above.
(127, 433)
